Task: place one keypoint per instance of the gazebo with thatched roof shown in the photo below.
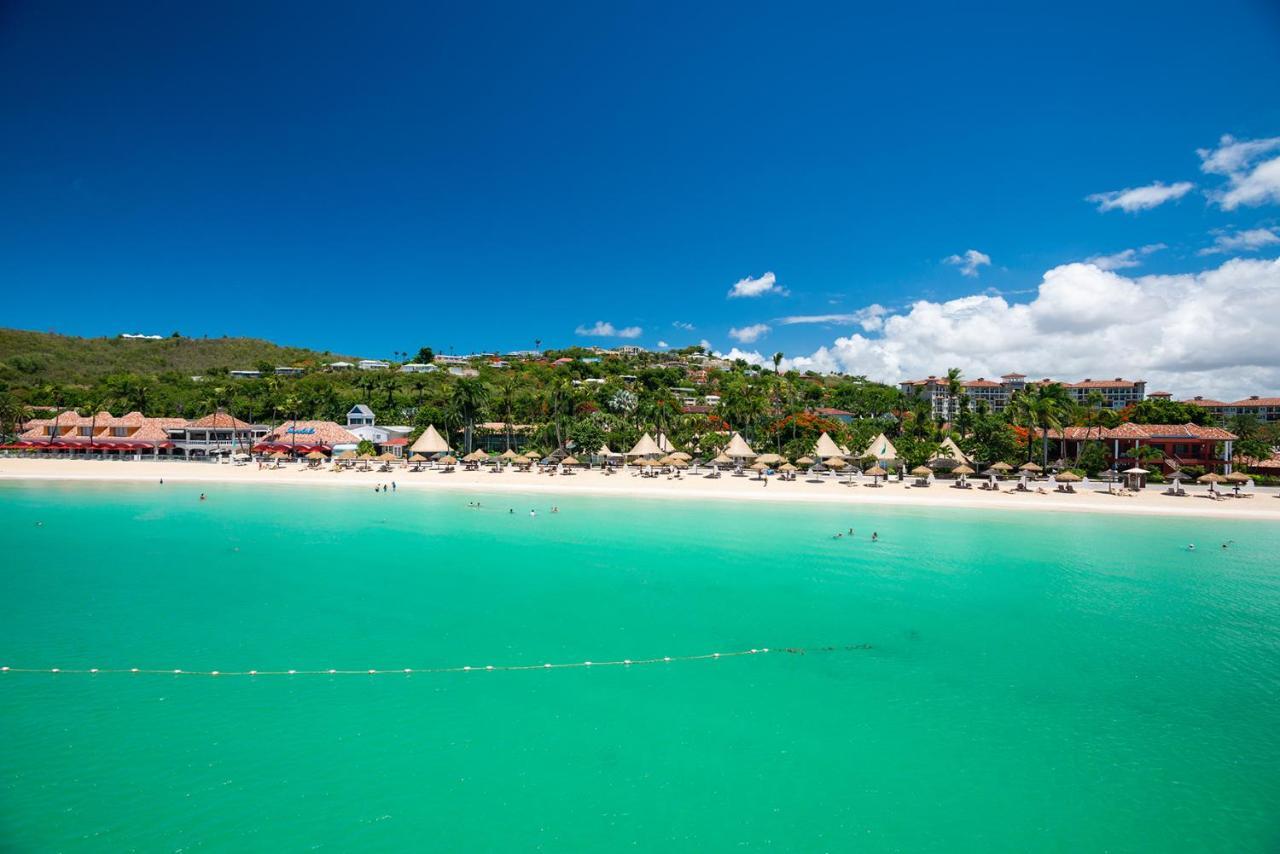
(430, 442)
(738, 449)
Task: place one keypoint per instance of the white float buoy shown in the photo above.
(214, 673)
(133, 670)
(177, 671)
(546, 665)
(466, 667)
(331, 670)
(93, 670)
(715, 655)
(253, 673)
(626, 661)
(291, 672)
(588, 663)
(488, 667)
(6, 670)
(408, 670)
(666, 658)
(54, 670)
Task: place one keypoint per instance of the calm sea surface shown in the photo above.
(1035, 682)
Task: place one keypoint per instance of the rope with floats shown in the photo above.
(408, 671)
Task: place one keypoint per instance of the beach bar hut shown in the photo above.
(1135, 478)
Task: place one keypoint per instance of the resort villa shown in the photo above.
(362, 424)
(1181, 445)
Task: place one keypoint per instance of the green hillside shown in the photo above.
(30, 358)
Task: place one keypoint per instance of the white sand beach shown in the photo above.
(1089, 498)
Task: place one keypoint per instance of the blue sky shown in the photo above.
(556, 168)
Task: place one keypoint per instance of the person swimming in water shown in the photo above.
(1191, 547)
(202, 496)
(533, 512)
(874, 536)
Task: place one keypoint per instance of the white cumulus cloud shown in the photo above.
(1248, 240)
(605, 329)
(1132, 199)
(1126, 258)
(680, 324)
(749, 287)
(748, 334)
(969, 262)
(663, 344)
(1253, 178)
(1192, 333)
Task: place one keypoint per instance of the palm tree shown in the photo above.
(777, 360)
(506, 404)
(1048, 406)
(470, 397)
(954, 387)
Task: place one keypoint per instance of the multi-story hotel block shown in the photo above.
(1116, 394)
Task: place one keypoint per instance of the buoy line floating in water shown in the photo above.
(406, 671)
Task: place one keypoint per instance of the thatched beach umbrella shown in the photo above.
(805, 461)
(1001, 466)
(1029, 467)
(836, 463)
(963, 470)
(723, 460)
(769, 459)
(387, 457)
(417, 458)
(346, 455)
(876, 472)
(1237, 477)
(315, 456)
(448, 460)
(1211, 477)
(681, 455)
(279, 455)
(1069, 477)
(570, 461)
(788, 468)
(508, 454)
(922, 471)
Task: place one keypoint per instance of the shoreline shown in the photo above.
(1264, 506)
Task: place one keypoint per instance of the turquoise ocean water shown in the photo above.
(1035, 682)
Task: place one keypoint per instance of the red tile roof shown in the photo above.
(219, 419)
(1257, 401)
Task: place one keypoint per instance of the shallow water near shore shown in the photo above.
(1033, 680)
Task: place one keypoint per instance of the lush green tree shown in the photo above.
(1157, 410)
(1092, 457)
(470, 397)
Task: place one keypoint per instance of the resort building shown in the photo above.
(417, 368)
(1180, 445)
(1116, 394)
(1265, 409)
(217, 433)
(372, 365)
(362, 424)
(303, 437)
(441, 359)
